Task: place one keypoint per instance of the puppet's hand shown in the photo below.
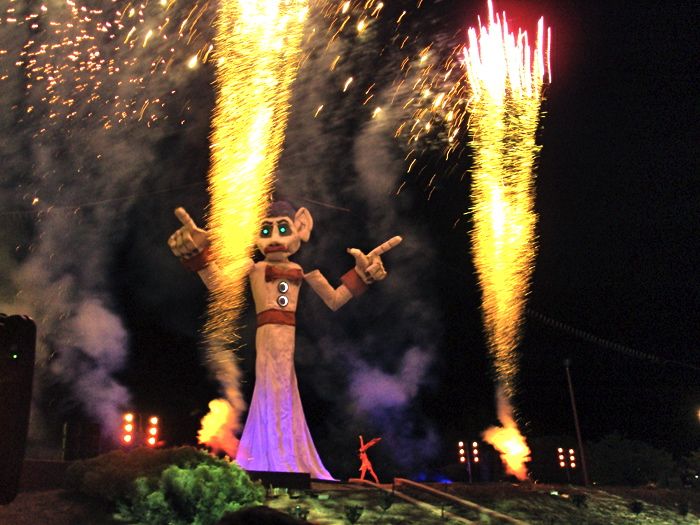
(190, 240)
(370, 267)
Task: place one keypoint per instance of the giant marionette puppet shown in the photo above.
(275, 436)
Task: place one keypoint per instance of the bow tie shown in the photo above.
(290, 274)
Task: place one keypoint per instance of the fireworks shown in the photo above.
(504, 112)
(105, 62)
(257, 51)
(122, 62)
(506, 89)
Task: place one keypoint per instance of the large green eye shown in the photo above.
(266, 231)
(284, 229)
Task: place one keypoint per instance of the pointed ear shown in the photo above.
(304, 223)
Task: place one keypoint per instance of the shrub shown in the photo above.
(166, 486)
(580, 500)
(615, 460)
(353, 513)
(636, 506)
(198, 495)
(110, 477)
(691, 469)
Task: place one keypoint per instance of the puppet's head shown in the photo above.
(283, 231)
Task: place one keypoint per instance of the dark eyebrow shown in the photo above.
(267, 223)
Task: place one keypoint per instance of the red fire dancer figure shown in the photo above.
(275, 436)
(365, 463)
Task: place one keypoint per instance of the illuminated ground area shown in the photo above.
(331, 504)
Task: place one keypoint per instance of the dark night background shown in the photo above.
(615, 287)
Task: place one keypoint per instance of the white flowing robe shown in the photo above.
(275, 436)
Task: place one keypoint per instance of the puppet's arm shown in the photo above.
(191, 244)
(336, 297)
(368, 269)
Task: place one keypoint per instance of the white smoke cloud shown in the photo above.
(100, 333)
(374, 390)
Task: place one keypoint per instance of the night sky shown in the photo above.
(615, 287)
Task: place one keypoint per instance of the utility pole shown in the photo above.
(567, 362)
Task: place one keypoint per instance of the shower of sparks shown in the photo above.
(490, 89)
(84, 61)
(258, 46)
(106, 62)
(506, 89)
(504, 112)
(349, 24)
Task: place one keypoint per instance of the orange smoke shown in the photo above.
(508, 440)
(218, 428)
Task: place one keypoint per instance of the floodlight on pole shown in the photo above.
(464, 458)
(567, 362)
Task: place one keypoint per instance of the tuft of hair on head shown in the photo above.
(281, 208)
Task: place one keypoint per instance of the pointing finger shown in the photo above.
(185, 218)
(386, 246)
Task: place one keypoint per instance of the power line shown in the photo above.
(91, 204)
(604, 343)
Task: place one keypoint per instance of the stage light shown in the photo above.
(565, 462)
(128, 428)
(152, 431)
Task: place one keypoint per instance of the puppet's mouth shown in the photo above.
(275, 247)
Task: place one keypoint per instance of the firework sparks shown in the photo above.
(506, 90)
(82, 61)
(258, 50)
